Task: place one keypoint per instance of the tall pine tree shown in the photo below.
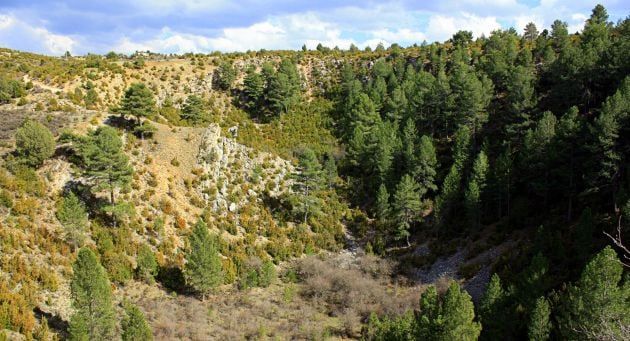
(94, 317)
(203, 270)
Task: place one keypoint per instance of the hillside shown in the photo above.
(471, 189)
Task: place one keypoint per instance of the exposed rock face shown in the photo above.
(227, 165)
(57, 173)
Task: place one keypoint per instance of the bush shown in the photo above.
(34, 143)
(147, 265)
(6, 200)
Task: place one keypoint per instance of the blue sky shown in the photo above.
(170, 26)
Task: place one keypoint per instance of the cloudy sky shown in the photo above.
(177, 26)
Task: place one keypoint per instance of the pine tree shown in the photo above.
(203, 270)
(134, 325)
(448, 198)
(363, 115)
(34, 143)
(106, 165)
(330, 170)
(73, 217)
(568, 150)
(539, 324)
(539, 155)
(94, 317)
(458, 313)
(596, 307)
(284, 88)
(407, 206)
(226, 75)
(194, 110)
(138, 102)
(476, 186)
(426, 164)
(531, 32)
(492, 312)
(309, 179)
(429, 321)
(450, 317)
(471, 97)
(386, 144)
(409, 137)
(382, 203)
(254, 88)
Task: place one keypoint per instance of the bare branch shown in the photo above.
(617, 240)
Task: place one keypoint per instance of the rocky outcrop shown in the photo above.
(227, 165)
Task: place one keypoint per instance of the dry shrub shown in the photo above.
(356, 288)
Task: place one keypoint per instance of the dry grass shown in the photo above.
(353, 288)
(331, 302)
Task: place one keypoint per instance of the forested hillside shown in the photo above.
(462, 190)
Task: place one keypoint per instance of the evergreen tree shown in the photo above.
(533, 281)
(194, 110)
(448, 318)
(284, 88)
(476, 186)
(531, 32)
(386, 144)
(429, 321)
(94, 317)
(568, 156)
(462, 38)
(492, 312)
(471, 97)
(134, 325)
(363, 115)
(34, 143)
(409, 138)
(596, 307)
(407, 206)
(105, 163)
(426, 164)
(203, 270)
(254, 88)
(73, 217)
(138, 102)
(539, 324)
(448, 198)
(539, 155)
(382, 203)
(226, 75)
(609, 134)
(458, 315)
(308, 181)
(330, 170)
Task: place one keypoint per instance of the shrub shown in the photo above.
(34, 143)
(147, 264)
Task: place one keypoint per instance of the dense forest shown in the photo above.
(518, 142)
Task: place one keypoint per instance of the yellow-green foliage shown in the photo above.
(306, 126)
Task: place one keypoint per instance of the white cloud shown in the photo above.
(441, 27)
(20, 35)
(386, 22)
(403, 36)
(287, 32)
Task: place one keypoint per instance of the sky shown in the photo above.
(52, 27)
